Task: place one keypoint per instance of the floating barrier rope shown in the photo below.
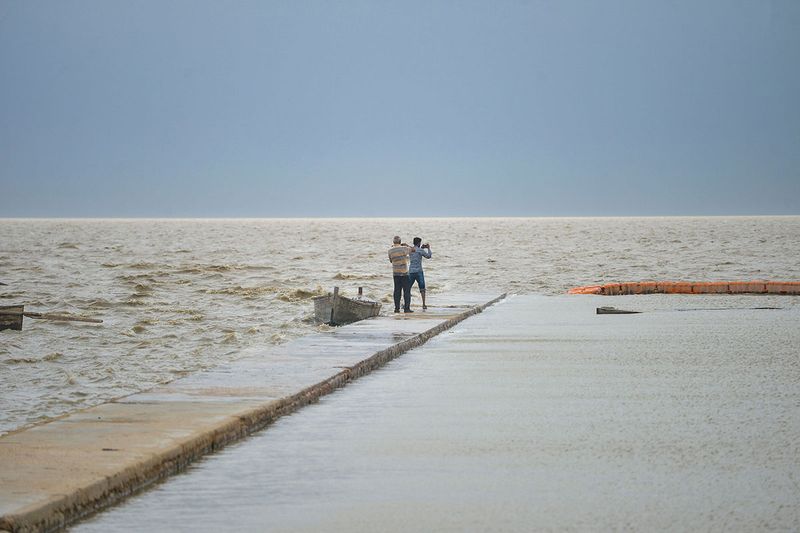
(691, 287)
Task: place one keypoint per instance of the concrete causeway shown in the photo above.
(536, 415)
(57, 472)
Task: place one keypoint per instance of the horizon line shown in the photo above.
(131, 218)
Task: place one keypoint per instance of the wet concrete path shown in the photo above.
(55, 472)
(534, 415)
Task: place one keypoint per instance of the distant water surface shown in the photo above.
(178, 296)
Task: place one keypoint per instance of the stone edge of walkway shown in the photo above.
(63, 510)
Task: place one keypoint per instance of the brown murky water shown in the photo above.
(178, 296)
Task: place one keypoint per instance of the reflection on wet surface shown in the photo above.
(655, 421)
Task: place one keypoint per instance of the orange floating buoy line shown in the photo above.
(691, 287)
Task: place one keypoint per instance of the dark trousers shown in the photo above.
(402, 283)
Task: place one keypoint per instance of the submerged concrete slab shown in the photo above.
(536, 415)
(59, 471)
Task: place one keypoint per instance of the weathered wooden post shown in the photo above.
(334, 302)
(11, 317)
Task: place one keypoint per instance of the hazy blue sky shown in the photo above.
(299, 108)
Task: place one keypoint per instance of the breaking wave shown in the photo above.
(343, 276)
(211, 268)
(244, 292)
(297, 295)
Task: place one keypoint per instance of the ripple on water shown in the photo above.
(356, 276)
(20, 360)
(244, 292)
(12, 295)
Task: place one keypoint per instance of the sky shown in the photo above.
(154, 108)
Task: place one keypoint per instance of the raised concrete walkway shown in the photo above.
(55, 473)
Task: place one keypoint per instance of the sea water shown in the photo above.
(178, 296)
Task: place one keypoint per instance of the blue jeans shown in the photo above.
(401, 284)
(419, 277)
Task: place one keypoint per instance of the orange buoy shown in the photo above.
(590, 289)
